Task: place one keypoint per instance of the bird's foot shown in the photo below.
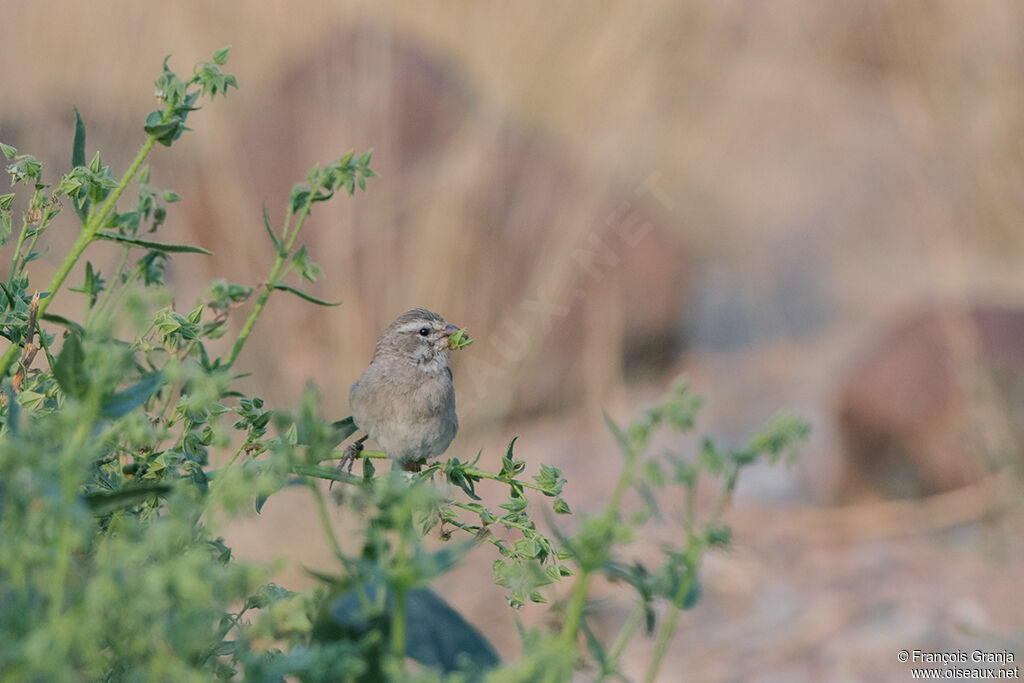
(351, 454)
(349, 457)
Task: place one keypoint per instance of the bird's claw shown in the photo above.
(349, 457)
(352, 452)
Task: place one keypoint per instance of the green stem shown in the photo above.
(113, 281)
(288, 269)
(172, 391)
(726, 494)
(275, 271)
(115, 300)
(35, 238)
(63, 559)
(325, 518)
(574, 615)
(45, 346)
(17, 264)
(691, 511)
(695, 551)
(85, 238)
(615, 502)
(664, 637)
(236, 454)
(234, 621)
(399, 587)
(398, 628)
(320, 472)
(668, 629)
(17, 249)
(225, 630)
(365, 454)
(473, 472)
(60, 571)
(626, 633)
(504, 522)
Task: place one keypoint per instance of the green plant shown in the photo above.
(460, 340)
(110, 565)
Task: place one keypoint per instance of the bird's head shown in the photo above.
(419, 335)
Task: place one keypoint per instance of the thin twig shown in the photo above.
(28, 353)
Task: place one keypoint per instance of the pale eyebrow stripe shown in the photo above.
(409, 327)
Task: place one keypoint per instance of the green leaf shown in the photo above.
(508, 461)
(597, 651)
(10, 297)
(653, 473)
(155, 246)
(262, 499)
(302, 295)
(620, 437)
(718, 535)
(781, 435)
(70, 368)
(102, 502)
(550, 479)
(93, 285)
(710, 458)
(436, 635)
(220, 57)
(369, 470)
(124, 402)
(5, 201)
(307, 269)
(70, 185)
(647, 493)
(166, 132)
(267, 595)
(270, 229)
(343, 429)
(65, 322)
(31, 399)
(8, 151)
(78, 144)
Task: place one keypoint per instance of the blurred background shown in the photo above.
(810, 207)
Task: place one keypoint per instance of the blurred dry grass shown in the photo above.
(825, 166)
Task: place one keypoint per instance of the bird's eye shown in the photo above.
(424, 331)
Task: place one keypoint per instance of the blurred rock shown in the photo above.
(934, 402)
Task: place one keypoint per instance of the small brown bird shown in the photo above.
(405, 399)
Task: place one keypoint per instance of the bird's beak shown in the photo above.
(450, 329)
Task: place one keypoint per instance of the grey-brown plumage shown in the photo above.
(405, 399)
